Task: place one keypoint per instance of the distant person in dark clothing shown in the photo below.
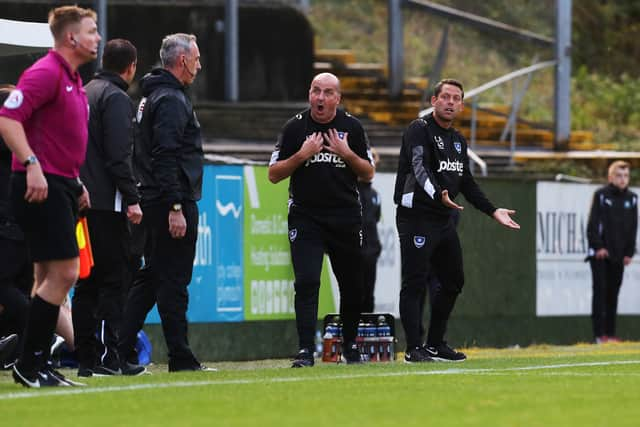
(107, 173)
(371, 247)
(168, 160)
(433, 168)
(16, 274)
(612, 228)
(324, 150)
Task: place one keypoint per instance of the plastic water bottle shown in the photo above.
(361, 328)
(383, 329)
(318, 352)
(338, 326)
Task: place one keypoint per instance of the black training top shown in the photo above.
(613, 222)
(433, 159)
(371, 212)
(324, 184)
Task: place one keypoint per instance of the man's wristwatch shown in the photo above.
(176, 207)
(31, 160)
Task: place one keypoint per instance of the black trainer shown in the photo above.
(444, 353)
(194, 368)
(131, 369)
(417, 355)
(103, 371)
(304, 359)
(352, 355)
(39, 379)
(203, 368)
(52, 372)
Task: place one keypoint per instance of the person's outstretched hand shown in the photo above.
(503, 216)
(448, 202)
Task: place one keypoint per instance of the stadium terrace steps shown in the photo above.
(335, 57)
(250, 129)
(365, 94)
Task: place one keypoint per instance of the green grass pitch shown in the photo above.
(581, 385)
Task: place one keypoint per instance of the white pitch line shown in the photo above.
(182, 384)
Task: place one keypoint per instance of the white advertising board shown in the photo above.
(563, 285)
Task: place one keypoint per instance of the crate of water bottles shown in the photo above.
(375, 339)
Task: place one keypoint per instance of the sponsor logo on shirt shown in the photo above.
(449, 166)
(324, 157)
(439, 142)
(143, 101)
(14, 100)
(293, 233)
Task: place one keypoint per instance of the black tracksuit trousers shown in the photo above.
(310, 237)
(426, 242)
(163, 280)
(16, 280)
(606, 279)
(98, 300)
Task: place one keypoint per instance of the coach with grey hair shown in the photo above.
(168, 162)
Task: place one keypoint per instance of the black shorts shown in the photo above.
(49, 227)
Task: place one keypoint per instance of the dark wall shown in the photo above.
(276, 45)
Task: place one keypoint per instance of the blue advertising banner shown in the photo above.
(216, 288)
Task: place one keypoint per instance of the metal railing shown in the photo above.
(510, 126)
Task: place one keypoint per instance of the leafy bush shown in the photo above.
(607, 106)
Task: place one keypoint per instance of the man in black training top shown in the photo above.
(613, 224)
(324, 150)
(432, 169)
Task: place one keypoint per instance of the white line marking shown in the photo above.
(183, 384)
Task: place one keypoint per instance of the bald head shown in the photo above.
(324, 97)
(327, 78)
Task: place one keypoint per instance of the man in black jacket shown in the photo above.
(432, 169)
(107, 173)
(612, 228)
(169, 163)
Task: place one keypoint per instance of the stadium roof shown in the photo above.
(19, 37)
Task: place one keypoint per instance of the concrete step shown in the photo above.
(335, 56)
(251, 129)
(408, 94)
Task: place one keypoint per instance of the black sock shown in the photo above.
(41, 324)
